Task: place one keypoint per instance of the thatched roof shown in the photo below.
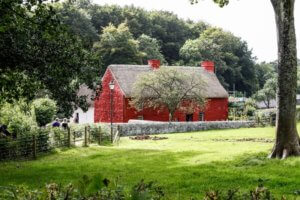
(126, 75)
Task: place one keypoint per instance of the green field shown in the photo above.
(185, 165)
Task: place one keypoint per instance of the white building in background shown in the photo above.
(79, 116)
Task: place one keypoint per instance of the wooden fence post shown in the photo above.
(89, 128)
(74, 138)
(100, 136)
(85, 137)
(69, 137)
(34, 146)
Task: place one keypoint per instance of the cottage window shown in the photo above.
(201, 116)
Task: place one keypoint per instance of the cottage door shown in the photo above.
(189, 117)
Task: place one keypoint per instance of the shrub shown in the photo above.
(250, 107)
(59, 136)
(44, 110)
(87, 188)
(97, 188)
(17, 121)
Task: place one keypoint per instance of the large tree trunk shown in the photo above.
(287, 139)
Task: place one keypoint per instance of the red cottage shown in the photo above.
(124, 77)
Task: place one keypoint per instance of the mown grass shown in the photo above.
(185, 165)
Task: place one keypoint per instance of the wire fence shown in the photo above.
(46, 139)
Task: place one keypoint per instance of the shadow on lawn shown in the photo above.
(164, 167)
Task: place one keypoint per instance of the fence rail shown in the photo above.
(31, 146)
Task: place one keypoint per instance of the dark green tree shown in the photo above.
(264, 72)
(267, 93)
(117, 46)
(234, 61)
(150, 49)
(78, 21)
(39, 53)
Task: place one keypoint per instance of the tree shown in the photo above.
(264, 71)
(78, 21)
(167, 28)
(117, 46)
(267, 93)
(287, 138)
(150, 48)
(168, 88)
(234, 61)
(39, 53)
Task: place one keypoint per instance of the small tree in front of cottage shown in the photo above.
(170, 89)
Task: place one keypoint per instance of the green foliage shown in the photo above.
(44, 110)
(17, 121)
(146, 191)
(94, 129)
(59, 136)
(250, 107)
(22, 146)
(117, 46)
(268, 92)
(87, 188)
(186, 164)
(264, 72)
(78, 20)
(150, 49)
(170, 31)
(40, 55)
(233, 60)
(168, 88)
(236, 111)
(221, 3)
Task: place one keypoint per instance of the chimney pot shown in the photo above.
(154, 63)
(209, 66)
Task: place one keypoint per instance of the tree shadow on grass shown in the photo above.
(165, 167)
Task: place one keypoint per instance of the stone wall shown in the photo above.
(148, 128)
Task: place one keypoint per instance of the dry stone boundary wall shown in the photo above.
(148, 128)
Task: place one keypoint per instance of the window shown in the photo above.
(201, 116)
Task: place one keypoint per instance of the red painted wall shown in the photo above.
(215, 109)
(102, 103)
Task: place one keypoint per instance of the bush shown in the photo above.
(17, 121)
(59, 136)
(86, 188)
(97, 188)
(250, 107)
(44, 110)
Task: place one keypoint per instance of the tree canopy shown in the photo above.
(233, 59)
(40, 55)
(150, 48)
(268, 92)
(117, 46)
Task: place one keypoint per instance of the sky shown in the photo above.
(252, 20)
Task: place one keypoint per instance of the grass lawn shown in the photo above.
(185, 165)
